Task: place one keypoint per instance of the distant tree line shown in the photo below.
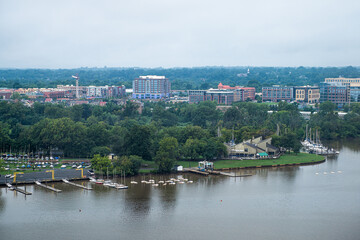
(181, 78)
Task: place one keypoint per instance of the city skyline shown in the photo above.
(73, 34)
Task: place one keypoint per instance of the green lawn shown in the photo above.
(146, 170)
(285, 159)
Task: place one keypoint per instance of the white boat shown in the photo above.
(120, 186)
(107, 183)
(99, 181)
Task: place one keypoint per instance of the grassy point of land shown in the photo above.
(300, 158)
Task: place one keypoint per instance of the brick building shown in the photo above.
(277, 94)
(334, 92)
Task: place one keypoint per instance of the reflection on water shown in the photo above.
(299, 202)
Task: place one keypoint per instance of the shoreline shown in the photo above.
(274, 165)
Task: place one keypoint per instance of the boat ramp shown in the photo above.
(11, 187)
(47, 187)
(76, 185)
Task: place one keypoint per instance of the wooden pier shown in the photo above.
(47, 187)
(76, 185)
(18, 189)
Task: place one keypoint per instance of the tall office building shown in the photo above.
(151, 87)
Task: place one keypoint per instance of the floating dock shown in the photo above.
(234, 175)
(214, 172)
(76, 185)
(47, 187)
(195, 171)
(18, 189)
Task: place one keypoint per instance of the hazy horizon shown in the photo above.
(66, 34)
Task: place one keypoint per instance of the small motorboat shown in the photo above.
(108, 183)
(99, 181)
(120, 186)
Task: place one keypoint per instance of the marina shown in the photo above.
(312, 144)
(272, 199)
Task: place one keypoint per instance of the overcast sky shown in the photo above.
(178, 33)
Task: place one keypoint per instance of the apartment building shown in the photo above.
(307, 94)
(151, 87)
(277, 94)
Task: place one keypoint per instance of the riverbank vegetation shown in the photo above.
(162, 133)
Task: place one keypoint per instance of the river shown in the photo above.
(307, 202)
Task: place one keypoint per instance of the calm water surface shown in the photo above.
(281, 203)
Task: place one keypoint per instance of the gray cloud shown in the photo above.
(153, 33)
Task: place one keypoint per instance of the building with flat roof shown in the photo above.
(219, 96)
(240, 93)
(307, 94)
(277, 94)
(338, 85)
(354, 91)
(343, 81)
(334, 92)
(151, 87)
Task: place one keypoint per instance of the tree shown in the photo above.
(213, 148)
(231, 117)
(129, 165)
(131, 109)
(192, 148)
(101, 163)
(138, 142)
(118, 140)
(103, 151)
(5, 139)
(327, 107)
(167, 154)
